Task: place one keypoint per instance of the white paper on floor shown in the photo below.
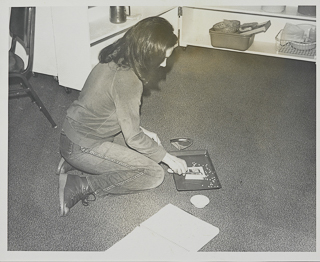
(171, 231)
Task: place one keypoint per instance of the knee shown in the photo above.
(159, 176)
(156, 176)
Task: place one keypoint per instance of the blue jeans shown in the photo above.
(112, 168)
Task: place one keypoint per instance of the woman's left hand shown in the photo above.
(152, 135)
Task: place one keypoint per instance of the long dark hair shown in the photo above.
(142, 48)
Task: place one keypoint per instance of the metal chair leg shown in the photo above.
(35, 98)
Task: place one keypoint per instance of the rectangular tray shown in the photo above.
(231, 41)
(196, 158)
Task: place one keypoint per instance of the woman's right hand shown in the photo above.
(178, 165)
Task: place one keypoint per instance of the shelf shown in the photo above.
(291, 12)
(197, 34)
(261, 48)
(258, 47)
(101, 28)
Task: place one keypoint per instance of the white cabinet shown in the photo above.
(71, 31)
(69, 38)
(197, 20)
(78, 33)
(45, 59)
(103, 32)
(45, 53)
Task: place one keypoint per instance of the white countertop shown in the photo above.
(101, 27)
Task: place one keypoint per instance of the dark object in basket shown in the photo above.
(227, 26)
(196, 160)
(231, 41)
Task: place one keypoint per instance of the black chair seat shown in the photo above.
(16, 64)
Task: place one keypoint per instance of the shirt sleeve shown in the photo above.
(127, 98)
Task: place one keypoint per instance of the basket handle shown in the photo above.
(279, 40)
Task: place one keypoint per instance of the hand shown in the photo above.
(152, 135)
(178, 165)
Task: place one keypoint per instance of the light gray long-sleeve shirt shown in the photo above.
(109, 103)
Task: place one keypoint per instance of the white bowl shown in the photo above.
(306, 45)
(303, 46)
(199, 201)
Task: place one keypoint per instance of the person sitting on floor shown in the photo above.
(109, 104)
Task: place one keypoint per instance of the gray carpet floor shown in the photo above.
(256, 117)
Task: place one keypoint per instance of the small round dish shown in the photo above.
(303, 46)
(199, 201)
(181, 143)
